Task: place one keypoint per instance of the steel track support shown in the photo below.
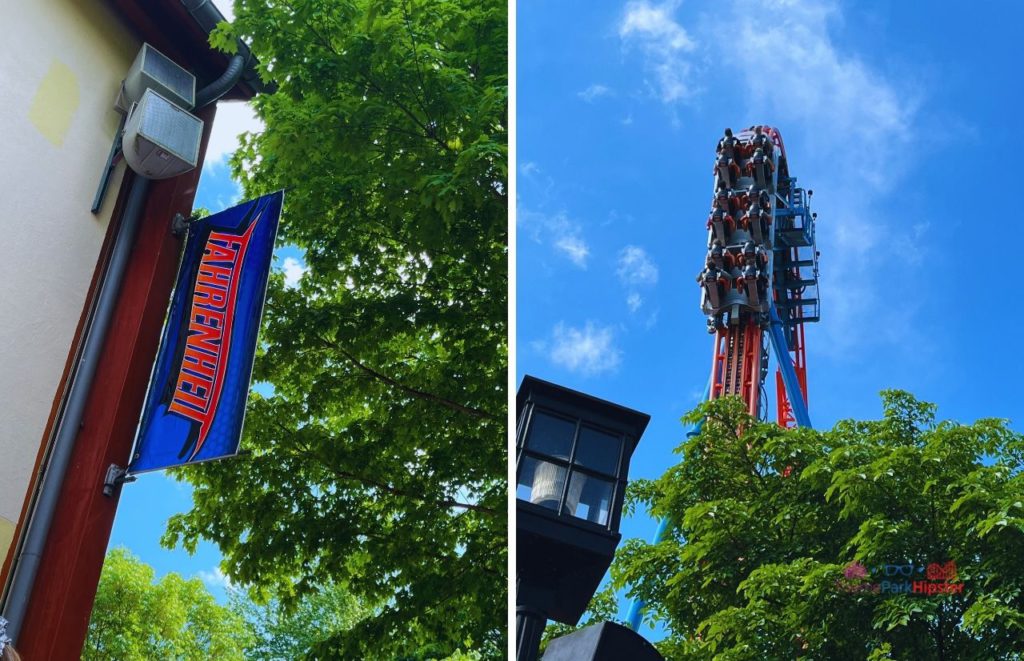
(789, 378)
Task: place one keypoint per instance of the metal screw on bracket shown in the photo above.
(179, 225)
(116, 475)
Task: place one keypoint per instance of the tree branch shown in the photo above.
(415, 392)
(406, 494)
(415, 58)
(427, 131)
(348, 475)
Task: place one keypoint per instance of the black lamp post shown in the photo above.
(572, 462)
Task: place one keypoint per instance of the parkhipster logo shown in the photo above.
(935, 578)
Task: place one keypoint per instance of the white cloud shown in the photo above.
(655, 24)
(636, 267)
(664, 43)
(216, 579)
(804, 79)
(293, 271)
(528, 168)
(801, 77)
(855, 126)
(233, 118)
(558, 231)
(575, 248)
(226, 7)
(593, 92)
(589, 350)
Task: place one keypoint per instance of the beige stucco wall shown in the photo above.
(61, 62)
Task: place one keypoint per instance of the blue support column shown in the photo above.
(796, 401)
(634, 615)
(793, 392)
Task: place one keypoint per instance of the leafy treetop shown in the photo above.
(136, 618)
(377, 462)
(763, 522)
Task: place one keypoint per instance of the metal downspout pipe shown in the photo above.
(207, 16)
(220, 87)
(27, 563)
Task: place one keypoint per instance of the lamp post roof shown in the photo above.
(631, 421)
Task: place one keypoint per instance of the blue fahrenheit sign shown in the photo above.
(196, 400)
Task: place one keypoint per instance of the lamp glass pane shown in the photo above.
(540, 482)
(550, 436)
(589, 498)
(598, 450)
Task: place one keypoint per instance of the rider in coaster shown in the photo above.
(760, 168)
(716, 283)
(748, 257)
(723, 224)
(727, 146)
(753, 196)
(749, 281)
(756, 221)
(762, 141)
(714, 258)
(719, 257)
(723, 201)
(727, 171)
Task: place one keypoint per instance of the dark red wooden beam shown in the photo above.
(58, 613)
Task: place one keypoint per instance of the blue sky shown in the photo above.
(893, 113)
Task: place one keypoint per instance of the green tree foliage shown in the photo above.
(288, 634)
(378, 463)
(763, 522)
(603, 607)
(135, 619)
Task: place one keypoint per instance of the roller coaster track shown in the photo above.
(759, 285)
